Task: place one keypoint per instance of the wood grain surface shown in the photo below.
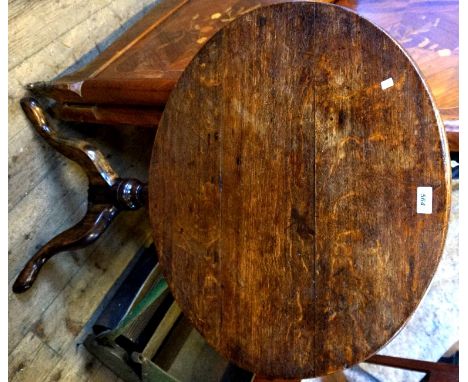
(283, 190)
(47, 193)
(429, 31)
(142, 66)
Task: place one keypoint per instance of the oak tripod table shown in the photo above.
(299, 190)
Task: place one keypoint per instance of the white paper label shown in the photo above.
(388, 83)
(424, 200)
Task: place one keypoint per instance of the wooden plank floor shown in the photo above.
(47, 193)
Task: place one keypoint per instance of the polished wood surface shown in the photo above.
(428, 30)
(142, 67)
(144, 116)
(283, 206)
(435, 371)
(108, 195)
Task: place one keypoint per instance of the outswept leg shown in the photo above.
(87, 231)
(107, 195)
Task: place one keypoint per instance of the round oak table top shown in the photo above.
(299, 190)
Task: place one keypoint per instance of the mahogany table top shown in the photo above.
(141, 68)
(299, 189)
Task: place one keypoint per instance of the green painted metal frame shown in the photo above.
(107, 350)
